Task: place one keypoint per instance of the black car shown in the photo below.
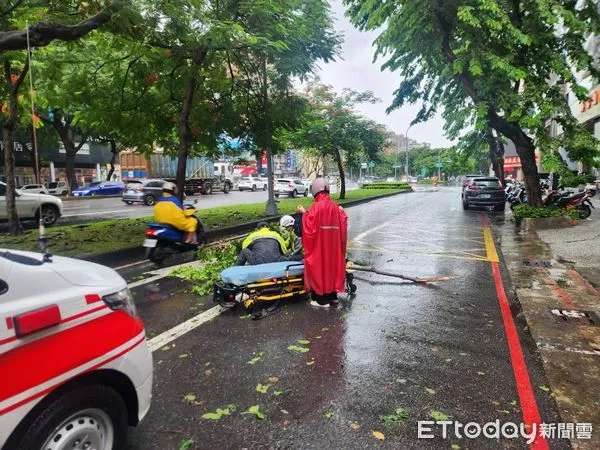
(485, 192)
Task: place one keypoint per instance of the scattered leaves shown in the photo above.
(283, 411)
(513, 403)
(304, 341)
(245, 316)
(256, 358)
(256, 411)
(503, 411)
(166, 348)
(262, 388)
(378, 435)
(328, 414)
(324, 329)
(430, 391)
(545, 388)
(455, 447)
(190, 398)
(311, 362)
(438, 415)
(185, 444)
(296, 348)
(344, 316)
(208, 372)
(277, 392)
(355, 426)
(207, 364)
(318, 337)
(401, 380)
(220, 412)
(397, 416)
(481, 373)
(273, 379)
(184, 355)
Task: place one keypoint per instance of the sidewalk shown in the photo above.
(562, 310)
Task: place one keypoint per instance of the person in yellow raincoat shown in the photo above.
(169, 210)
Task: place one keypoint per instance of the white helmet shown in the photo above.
(319, 185)
(169, 187)
(285, 222)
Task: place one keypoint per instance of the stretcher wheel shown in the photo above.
(352, 288)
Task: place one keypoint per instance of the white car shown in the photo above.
(307, 182)
(31, 206)
(34, 189)
(57, 188)
(252, 184)
(76, 369)
(291, 187)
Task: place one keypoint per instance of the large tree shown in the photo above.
(489, 63)
(332, 128)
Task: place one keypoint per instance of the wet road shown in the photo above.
(449, 351)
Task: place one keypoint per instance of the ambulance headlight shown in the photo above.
(121, 300)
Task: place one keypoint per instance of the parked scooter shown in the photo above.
(163, 240)
(517, 195)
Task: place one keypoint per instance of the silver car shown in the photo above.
(291, 187)
(146, 192)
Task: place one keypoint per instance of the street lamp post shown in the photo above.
(406, 163)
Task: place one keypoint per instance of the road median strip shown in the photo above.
(112, 241)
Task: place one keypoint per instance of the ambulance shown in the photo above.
(75, 370)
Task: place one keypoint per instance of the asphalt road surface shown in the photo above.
(395, 354)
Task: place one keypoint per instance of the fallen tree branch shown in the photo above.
(397, 275)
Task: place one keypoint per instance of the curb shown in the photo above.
(134, 254)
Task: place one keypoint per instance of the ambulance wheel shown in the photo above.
(86, 417)
(352, 288)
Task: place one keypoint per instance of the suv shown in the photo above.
(290, 186)
(76, 369)
(31, 206)
(57, 187)
(34, 189)
(484, 191)
(146, 192)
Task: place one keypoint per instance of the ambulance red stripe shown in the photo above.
(51, 388)
(68, 319)
(41, 360)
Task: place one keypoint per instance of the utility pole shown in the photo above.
(439, 166)
(406, 163)
(396, 164)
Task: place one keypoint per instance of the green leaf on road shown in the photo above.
(298, 349)
(455, 447)
(430, 391)
(401, 380)
(545, 388)
(277, 392)
(262, 388)
(328, 414)
(190, 398)
(166, 348)
(183, 355)
(185, 444)
(245, 316)
(220, 412)
(438, 415)
(344, 316)
(256, 358)
(397, 416)
(304, 341)
(256, 411)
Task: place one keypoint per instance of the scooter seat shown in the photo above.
(161, 225)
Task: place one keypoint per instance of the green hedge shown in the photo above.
(575, 180)
(523, 211)
(386, 185)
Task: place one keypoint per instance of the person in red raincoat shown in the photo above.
(324, 238)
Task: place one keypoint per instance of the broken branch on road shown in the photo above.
(397, 275)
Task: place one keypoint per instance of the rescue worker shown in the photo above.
(262, 246)
(292, 241)
(169, 210)
(324, 238)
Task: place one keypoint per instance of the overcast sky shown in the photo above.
(357, 71)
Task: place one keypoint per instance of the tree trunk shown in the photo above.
(62, 125)
(14, 225)
(496, 152)
(526, 151)
(338, 159)
(184, 122)
(184, 134)
(113, 159)
(8, 128)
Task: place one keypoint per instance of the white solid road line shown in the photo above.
(366, 233)
(161, 273)
(170, 335)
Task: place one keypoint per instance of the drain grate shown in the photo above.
(576, 317)
(536, 263)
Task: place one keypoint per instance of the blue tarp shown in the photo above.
(240, 275)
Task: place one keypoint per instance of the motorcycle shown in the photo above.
(517, 195)
(163, 240)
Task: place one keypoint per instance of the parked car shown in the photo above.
(100, 188)
(146, 192)
(249, 183)
(34, 189)
(467, 179)
(291, 187)
(307, 182)
(484, 191)
(79, 346)
(57, 187)
(31, 206)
